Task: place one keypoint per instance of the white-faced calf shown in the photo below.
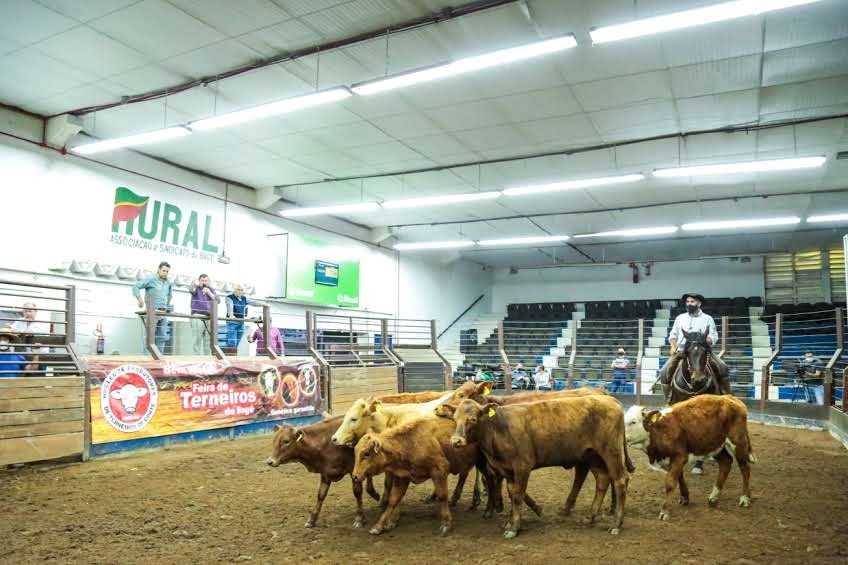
(705, 425)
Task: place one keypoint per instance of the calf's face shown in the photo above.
(467, 417)
(285, 444)
(634, 425)
(356, 422)
(369, 458)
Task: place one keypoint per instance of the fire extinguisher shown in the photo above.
(100, 346)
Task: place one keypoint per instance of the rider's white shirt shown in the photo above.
(699, 323)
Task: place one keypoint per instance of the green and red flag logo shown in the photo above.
(128, 205)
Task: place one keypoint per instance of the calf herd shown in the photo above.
(415, 437)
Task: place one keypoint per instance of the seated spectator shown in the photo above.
(483, 376)
(542, 378)
(520, 378)
(274, 336)
(620, 364)
(11, 361)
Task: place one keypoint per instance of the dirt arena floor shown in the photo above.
(219, 503)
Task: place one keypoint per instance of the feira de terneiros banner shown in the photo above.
(131, 400)
(141, 222)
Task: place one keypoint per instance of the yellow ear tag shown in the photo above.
(378, 407)
(654, 418)
(299, 437)
(491, 412)
(486, 391)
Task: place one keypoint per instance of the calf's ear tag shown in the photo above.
(486, 391)
(299, 437)
(654, 418)
(491, 411)
(378, 406)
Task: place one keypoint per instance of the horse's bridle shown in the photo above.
(708, 382)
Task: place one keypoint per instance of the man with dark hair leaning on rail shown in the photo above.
(158, 289)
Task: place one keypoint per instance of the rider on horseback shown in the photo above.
(693, 320)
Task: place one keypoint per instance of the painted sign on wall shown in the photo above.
(158, 398)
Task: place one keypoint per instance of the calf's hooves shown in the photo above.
(683, 502)
(564, 512)
(358, 522)
(744, 501)
(487, 514)
(509, 534)
(588, 520)
(664, 516)
(444, 529)
(375, 531)
(614, 531)
(310, 523)
(713, 502)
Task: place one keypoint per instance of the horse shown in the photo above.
(694, 375)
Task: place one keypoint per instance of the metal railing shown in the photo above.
(151, 318)
(464, 312)
(761, 352)
(41, 321)
(349, 341)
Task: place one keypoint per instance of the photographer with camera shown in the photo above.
(810, 373)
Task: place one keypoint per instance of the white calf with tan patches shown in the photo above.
(707, 426)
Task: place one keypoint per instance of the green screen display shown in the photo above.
(303, 281)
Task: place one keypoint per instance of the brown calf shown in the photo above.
(480, 392)
(706, 425)
(411, 397)
(311, 446)
(414, 452)
(585, 432)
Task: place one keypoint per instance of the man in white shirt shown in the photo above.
(693, 320)
(28, 325)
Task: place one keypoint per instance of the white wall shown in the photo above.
(61, 206)
(710, 277)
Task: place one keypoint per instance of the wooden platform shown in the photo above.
(41, 418)
(347, 384)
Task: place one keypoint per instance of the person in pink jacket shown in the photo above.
(273, 334)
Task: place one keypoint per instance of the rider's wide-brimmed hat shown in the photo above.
(699, 297)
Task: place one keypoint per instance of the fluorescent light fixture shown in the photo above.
(337, 209)
(734, 224)
(743, 167)
(433, 245)
(131, 140)
(439, 200)
(524, 240)
(271, 109)
(828, 218)
(571, 185)
(467, 65)
(635, 232)
(691, 18)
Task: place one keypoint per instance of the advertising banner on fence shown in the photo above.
(131, 400)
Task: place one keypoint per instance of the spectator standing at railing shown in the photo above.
(29, 325)
(158, 289)
(619, 367)
(11, 360)
(542, 378)
(274, 336)
(237, 304)
(202, 296)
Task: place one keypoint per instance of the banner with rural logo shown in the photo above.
(158, 398)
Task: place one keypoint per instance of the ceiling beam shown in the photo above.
(744, 128)
(443, 15)
(624, 208)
